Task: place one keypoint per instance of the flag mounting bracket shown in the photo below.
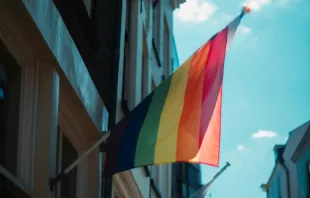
(54, 181)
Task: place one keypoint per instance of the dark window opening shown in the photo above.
(9, 110)
(66, 156)
(156, 53)
(187, 179)
(279, 188)
(308, 179)
(124, 104)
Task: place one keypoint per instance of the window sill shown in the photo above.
(11, 186)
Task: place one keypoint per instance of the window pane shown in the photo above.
(68, 184)
(184, 190)
(308, 179)
(191, 191)
(9, 110)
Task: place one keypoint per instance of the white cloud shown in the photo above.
(256, 4)
(264, 134)
(244, 29)
(242, 148)
(195, 11)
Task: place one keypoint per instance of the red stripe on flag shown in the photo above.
(213, 78)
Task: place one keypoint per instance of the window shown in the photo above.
(66, 156)
(279, 188)
(156, 23)
(188, 178)
(126, 87)
(184, 190)
(308, 178)
(147, 6)
(156, 34)
(167, 47)
(145, 69)
(9, 110)
(193, 175)
(191, 191)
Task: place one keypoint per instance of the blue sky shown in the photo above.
(266, 82)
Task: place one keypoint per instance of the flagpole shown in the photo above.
(62, 174)
(203, 190)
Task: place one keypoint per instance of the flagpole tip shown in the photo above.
(228, 164)
(246, 9)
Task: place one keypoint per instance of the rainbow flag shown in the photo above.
(180, 121)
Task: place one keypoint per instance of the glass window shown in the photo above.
(279, 188)
(167, 46)
(145, 69)
(191, 191)
(308, 178)
(155, 27)
(184, 190)
(66, 156)
(193, 175)
(9, 110)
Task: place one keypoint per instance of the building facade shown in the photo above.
(69, 70)
(51, 110)
(148, 57)
(290, 177)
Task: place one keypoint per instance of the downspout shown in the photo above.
(281, 162)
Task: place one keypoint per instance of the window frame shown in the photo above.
(81, 136)
(15, 181)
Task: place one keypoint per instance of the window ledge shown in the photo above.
(12, 186)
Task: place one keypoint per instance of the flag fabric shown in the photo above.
(180, 121)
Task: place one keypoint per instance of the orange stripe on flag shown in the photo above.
(209, 150)
(189, 127)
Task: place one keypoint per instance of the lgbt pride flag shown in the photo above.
(180, 121)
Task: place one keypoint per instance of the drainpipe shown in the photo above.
(287, 177)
